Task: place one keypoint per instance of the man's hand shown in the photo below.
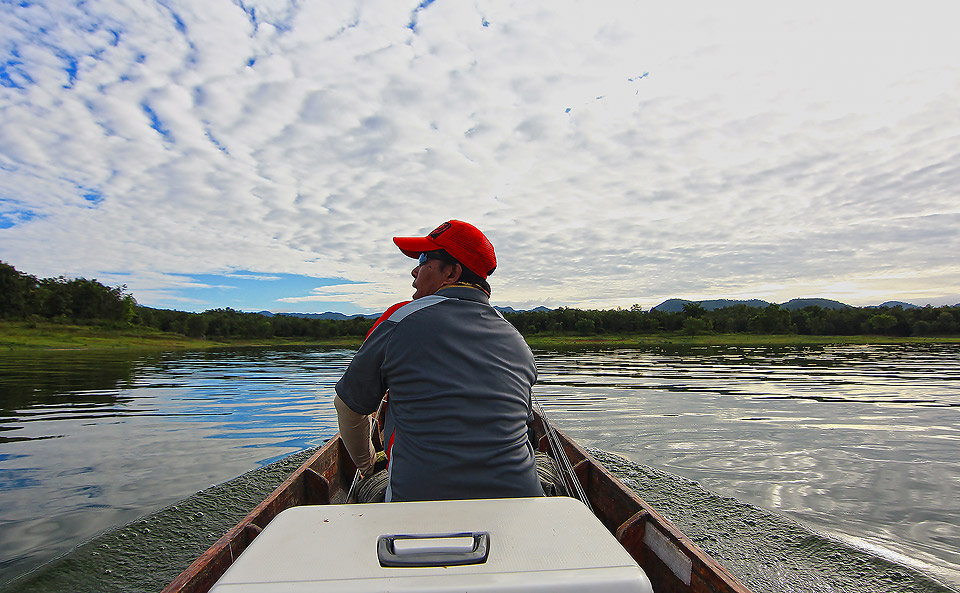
(379, 462)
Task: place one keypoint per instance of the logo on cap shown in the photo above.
(440, 230)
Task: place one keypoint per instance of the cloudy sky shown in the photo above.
(260, 154)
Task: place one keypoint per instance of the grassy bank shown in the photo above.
(672, 339)
(55, 336)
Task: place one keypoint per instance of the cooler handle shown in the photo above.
(435, 549)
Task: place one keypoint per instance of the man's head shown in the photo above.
(454, 251)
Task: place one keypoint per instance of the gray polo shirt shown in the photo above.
(460, 379)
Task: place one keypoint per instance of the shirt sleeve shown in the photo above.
(362, 385)
(355, 434)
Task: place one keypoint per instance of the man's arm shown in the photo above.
(362, 385)
(355, 433)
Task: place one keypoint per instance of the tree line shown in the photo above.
(774, 319)
(23, 296)
(83, 301)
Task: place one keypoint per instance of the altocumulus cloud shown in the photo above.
(616, 152)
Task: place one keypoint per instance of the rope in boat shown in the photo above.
(559, 452)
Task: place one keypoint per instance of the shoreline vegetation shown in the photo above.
(20, 336)
(64, 314)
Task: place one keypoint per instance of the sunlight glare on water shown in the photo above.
(855, 442)
(858, 442)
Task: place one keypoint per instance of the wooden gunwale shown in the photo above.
(628, 517)
(672, 562)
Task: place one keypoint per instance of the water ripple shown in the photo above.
(855, 441)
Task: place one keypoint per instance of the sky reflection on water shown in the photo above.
(856, 441)
(103, 438)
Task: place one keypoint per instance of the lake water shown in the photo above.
(846, 451)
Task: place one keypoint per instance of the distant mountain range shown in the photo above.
(342, 317)
(676, 305)
(667, 306)
(512, 310)
(327, 315)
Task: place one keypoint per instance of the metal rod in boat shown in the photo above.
(353, 485)
(561, 456)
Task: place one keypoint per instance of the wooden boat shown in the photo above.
(670, 560)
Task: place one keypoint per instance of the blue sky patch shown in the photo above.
(13, 217)
(12, 74)
(216, 142)
(251, 14)
(253, 291)
(416, 14)
(71, 69)
(92, 196)
(178, 22)
(155, 121)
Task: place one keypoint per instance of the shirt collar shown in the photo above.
(466, 293)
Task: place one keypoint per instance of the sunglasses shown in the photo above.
(438, 255)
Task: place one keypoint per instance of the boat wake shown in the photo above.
(768, 552)
(145, 555)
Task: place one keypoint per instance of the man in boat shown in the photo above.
(459, 378)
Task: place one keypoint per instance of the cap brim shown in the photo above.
(414, 246)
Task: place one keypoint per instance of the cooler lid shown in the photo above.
(512, 544)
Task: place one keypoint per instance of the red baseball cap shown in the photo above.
(460, 239)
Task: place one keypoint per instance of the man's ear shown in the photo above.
(454, 274)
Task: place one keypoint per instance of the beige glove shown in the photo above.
(355, 433)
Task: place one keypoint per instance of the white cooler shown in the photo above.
(502, 545)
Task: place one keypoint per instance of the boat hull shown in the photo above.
(672, 562)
